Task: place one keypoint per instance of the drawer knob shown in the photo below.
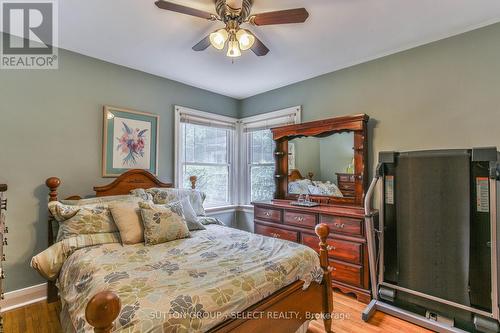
(339, 225)
(331, 269)
(299, 218)
(330, 248)
(275, 235)
(267, 214)
(6, 230)
(5, 242)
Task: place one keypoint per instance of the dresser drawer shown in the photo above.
(276, 233)
(346, 273)
(337, 249)
(268, 214)
(347, 178)
(343, 225)
(299, 219)
(347, 186)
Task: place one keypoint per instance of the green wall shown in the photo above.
(51, 125)
(441, 95)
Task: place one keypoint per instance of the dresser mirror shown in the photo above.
(324, 160)
(318, 166)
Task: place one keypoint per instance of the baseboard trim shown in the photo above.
(22, 297)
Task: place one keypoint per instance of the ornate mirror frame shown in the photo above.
(321, 128)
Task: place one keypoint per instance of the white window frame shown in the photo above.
(233, 144)
(244, 184)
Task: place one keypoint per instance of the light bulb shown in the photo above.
(233, 49)
(218, 38)
(245, 39)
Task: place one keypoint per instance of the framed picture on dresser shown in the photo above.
(130, 141)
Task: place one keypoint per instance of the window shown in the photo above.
(261, 164)
(258, 145)
(232, 159)
(205, 150)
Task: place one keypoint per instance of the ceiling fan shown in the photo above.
(234, 13)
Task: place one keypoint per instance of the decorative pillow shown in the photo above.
(62, 212)
(175, 207)
(49, 262)
(206, 220)
(88, 220)
(189, 215)
(103, 201)
(166, 195)
(127, 217)
(328, 188)
(161, 224)
(141, 193)
(65, 209)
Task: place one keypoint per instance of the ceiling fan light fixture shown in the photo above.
(233, 48)
(218, 38)
(245, 39)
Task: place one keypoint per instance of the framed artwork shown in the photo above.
(130, 141)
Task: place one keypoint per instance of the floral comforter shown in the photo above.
(187, 285)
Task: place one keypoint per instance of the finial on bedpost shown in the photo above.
(53, 183)
(193, 180)
(322, 230)
(102, 310)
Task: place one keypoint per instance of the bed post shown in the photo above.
(322, 230)
(102, 310)
(193, 180)
(52, 183)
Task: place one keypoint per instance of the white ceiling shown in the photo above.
(338, 34)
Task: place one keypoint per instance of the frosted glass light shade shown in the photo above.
(233, 49)
(245, 39)
(218, 38)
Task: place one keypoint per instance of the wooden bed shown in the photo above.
(296, 175)
(104, 307)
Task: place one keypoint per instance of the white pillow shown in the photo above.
(190, 215)
(189, 212)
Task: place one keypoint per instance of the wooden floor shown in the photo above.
(44, 318)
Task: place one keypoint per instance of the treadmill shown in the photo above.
(433, 250)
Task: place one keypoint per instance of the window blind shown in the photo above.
(269, 123)
(199, 120)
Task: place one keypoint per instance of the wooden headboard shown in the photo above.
(130, 180)
(296, 175)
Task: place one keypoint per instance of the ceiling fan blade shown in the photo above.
(167, 5)
(259, 48)
(298, 15)
(203, 44)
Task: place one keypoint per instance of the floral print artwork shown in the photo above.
(185, 285)
(131, 144)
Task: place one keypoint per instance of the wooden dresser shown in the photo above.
(347, 246)
(346, 183)
(347, 242)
